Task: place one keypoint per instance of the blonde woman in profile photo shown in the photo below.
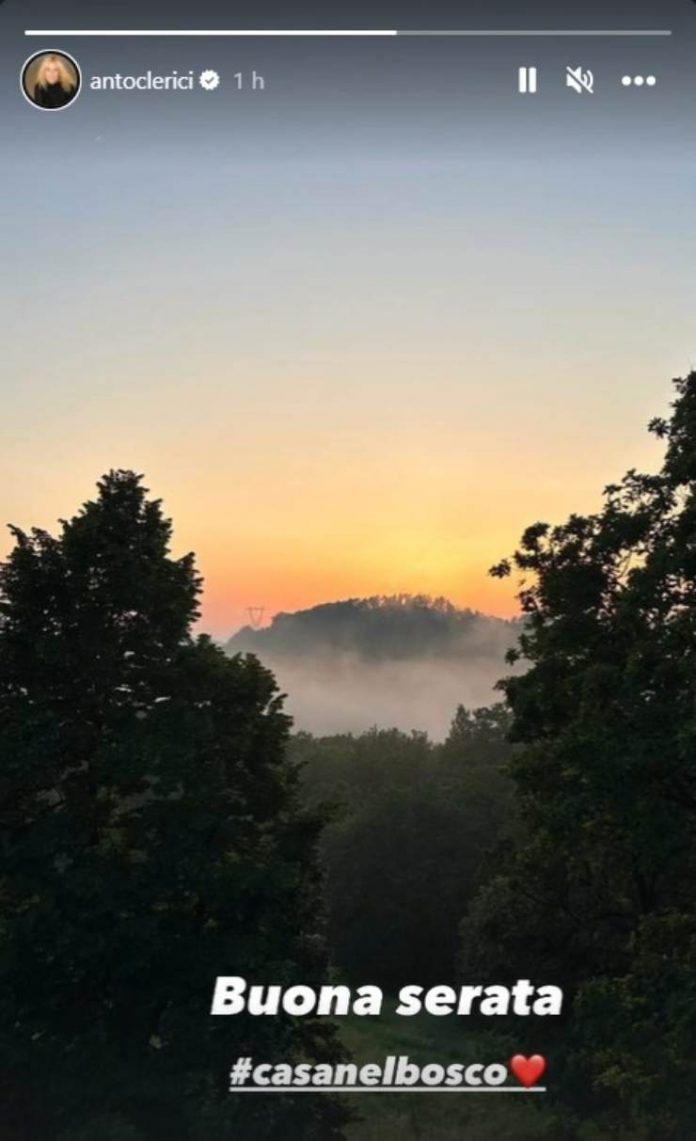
(55, 82)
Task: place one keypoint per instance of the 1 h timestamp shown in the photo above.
(249, 81)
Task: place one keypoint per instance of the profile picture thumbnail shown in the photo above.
(51, 80)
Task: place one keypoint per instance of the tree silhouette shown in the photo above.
(150, 840)
(601, 895)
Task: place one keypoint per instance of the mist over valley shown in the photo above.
(403, 661)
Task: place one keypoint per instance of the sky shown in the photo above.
(359, 329)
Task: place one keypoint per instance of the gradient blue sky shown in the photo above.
(358, 330)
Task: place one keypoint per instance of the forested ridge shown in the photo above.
(399, 661)
(384, 627)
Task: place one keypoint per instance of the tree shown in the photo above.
(413, 823)
(601, 893)
(150, 840)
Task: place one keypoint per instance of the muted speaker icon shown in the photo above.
(579, 80)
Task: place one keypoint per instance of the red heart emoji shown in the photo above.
(527, 1070)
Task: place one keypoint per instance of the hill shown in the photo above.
(383, 628)
(404, 660)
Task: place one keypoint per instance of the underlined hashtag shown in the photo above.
(240, 1072)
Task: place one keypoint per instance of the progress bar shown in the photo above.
(332, 32)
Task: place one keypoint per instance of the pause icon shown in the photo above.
(527, 81)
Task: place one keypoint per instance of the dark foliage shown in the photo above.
(601, 895)
(150, 839)
(414, 823)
